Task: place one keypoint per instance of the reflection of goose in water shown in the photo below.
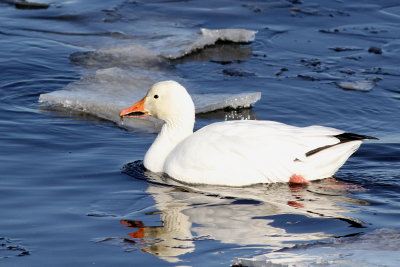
(240, 216)
(173, 237)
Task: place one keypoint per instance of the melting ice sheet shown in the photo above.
(371, 249)
(206, 37)
(124, 74)
(153, 54)
(108, 91)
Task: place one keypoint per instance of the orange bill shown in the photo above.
(135, 111)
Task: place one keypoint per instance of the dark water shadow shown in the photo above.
(229, 114)
(223, 53)
(9, 248)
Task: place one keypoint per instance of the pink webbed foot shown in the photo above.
(298, 179)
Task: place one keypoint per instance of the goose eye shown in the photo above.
(155, 96)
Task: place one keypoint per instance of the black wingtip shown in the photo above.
(343, 138)
(347, 137)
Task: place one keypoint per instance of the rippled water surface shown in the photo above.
(72, 186)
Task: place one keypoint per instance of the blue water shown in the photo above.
(64, 197)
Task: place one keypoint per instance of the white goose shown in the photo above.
(237, 153)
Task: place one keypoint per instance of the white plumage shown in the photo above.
(236, 153)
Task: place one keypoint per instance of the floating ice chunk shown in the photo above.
(205, 38)
(363, 86)
(378, 248)
(108, 91)
(210, 102)
(153, 55)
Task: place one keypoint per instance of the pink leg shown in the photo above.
(298, 179)
(295, 204)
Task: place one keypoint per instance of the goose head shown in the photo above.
(167, 100)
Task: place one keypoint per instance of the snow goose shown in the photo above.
(237, 153)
